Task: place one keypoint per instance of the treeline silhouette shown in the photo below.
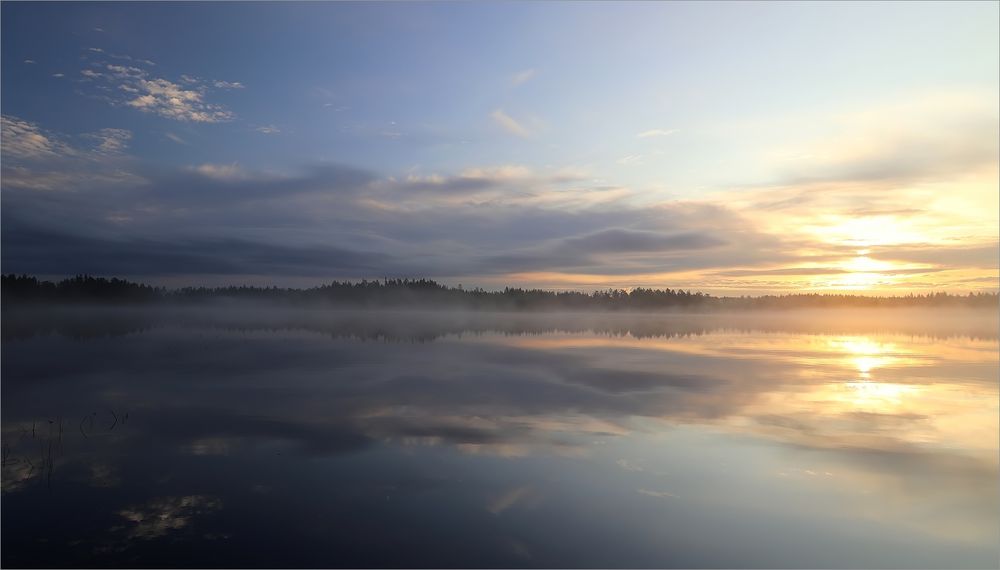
(24, 289)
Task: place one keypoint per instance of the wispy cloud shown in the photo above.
(510, 124)
(111, 141)
(224, 172)
(167, 99)
(136, 88)
(130, 58)
(631, 159)
(23, 139)
(540, 226)
(30, 61)
(58, 75)
(395, 223)
(228, 84)
(507, 172)
(35, 159)
(910, 181)
(655, 133)
(928, 137)
(26, 140)
(522, 77)
(268, 130)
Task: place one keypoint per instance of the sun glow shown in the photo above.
(863, 272)
(864, 264)
(858, 281)
(868, 231)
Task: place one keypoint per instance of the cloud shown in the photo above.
(419, 225)
(198, 255)
(443, 185)
(30, 61)
(511, 392)
(509, 124)
(226, 172)
(599, 251)
(630, 159)
(73, 174)
(913, 182)
(511, 172)
(986, 256)
(111, 141)
(39, 160)
(489, 223)
(470, 182)
(130, 58)
(781, 271)
(163, 516)
(168, 100)
(58, 75)
(228, 84)
(95, 50)
(618, 240)
(522, 77)
(655, 133)
(175, 138)
(233, 195)
(23, 139)
(268, 130)
(135, 87)
(926, 138)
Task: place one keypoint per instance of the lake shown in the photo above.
(268, 437)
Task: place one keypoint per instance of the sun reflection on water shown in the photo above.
(865, 356)
(878, 396)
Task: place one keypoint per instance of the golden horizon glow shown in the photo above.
(829, 381)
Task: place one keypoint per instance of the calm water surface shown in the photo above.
(227, 437)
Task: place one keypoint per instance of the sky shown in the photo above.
(731, 148)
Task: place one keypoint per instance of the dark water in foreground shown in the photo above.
(277, 438)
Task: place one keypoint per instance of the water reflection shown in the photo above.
(546, 440)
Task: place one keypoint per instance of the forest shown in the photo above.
(426, 293)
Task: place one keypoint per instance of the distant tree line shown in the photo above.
(82, 288)
(24, 289)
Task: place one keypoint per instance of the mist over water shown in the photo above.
(159, 436)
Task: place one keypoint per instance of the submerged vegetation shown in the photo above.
(431, 294)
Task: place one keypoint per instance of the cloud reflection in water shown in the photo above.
(422, 407)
